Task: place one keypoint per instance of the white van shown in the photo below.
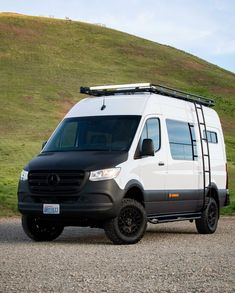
(132, 154)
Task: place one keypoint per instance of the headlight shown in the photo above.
(104, 174)
(24, 175)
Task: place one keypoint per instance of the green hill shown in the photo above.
(43, 63)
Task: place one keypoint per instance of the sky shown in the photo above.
(205, 28)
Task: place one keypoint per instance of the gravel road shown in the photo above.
(170, 258)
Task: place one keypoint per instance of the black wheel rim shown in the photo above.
(212, 215)
(130, 221)
(40, 228)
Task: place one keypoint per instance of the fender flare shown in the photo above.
(133, 183)
(213, 187)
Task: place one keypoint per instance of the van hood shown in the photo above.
(77, 160)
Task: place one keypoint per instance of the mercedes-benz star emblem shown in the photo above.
(53, 179)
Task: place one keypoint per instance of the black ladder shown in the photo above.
(206, 166)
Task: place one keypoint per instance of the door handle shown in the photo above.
(161, 164)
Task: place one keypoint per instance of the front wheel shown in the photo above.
(39, 229)
(129, 226)
(207, 224)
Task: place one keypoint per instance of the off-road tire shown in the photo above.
(130, 224)
(207, 224)
(41, 230)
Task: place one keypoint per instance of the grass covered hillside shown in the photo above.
(43, 63)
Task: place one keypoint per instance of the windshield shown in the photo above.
(101, 133)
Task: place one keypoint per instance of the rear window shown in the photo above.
(211, 136)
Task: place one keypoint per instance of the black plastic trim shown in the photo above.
(159, 202)
(97, 200)
(134, 183)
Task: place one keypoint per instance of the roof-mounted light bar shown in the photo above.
(108, 90)
(120, 86)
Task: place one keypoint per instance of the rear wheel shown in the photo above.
(207, 224)
(129, 226)
(39, 229)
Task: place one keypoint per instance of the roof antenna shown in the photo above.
(103, 106)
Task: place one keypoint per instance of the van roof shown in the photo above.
(110, 105)
(128, 104)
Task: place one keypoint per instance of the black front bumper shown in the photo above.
(97, 201)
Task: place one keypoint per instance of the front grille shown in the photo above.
(55, 182)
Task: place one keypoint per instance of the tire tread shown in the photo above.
(201, 224)
(39, 237)
(111, 231)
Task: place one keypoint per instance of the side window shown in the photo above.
(182, 140)
(212, 136)
(151, 130)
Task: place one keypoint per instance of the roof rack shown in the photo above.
(109, 90)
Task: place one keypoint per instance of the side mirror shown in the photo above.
(147, 147)
(44, 143)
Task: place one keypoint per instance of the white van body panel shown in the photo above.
(117, 105)
(174, 174)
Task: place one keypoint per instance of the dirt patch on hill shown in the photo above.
(19, 32)
(64, 106)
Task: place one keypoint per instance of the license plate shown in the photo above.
(51, 209)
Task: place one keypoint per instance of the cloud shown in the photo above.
(202, 28)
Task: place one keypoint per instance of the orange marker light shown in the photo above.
(173, 195)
